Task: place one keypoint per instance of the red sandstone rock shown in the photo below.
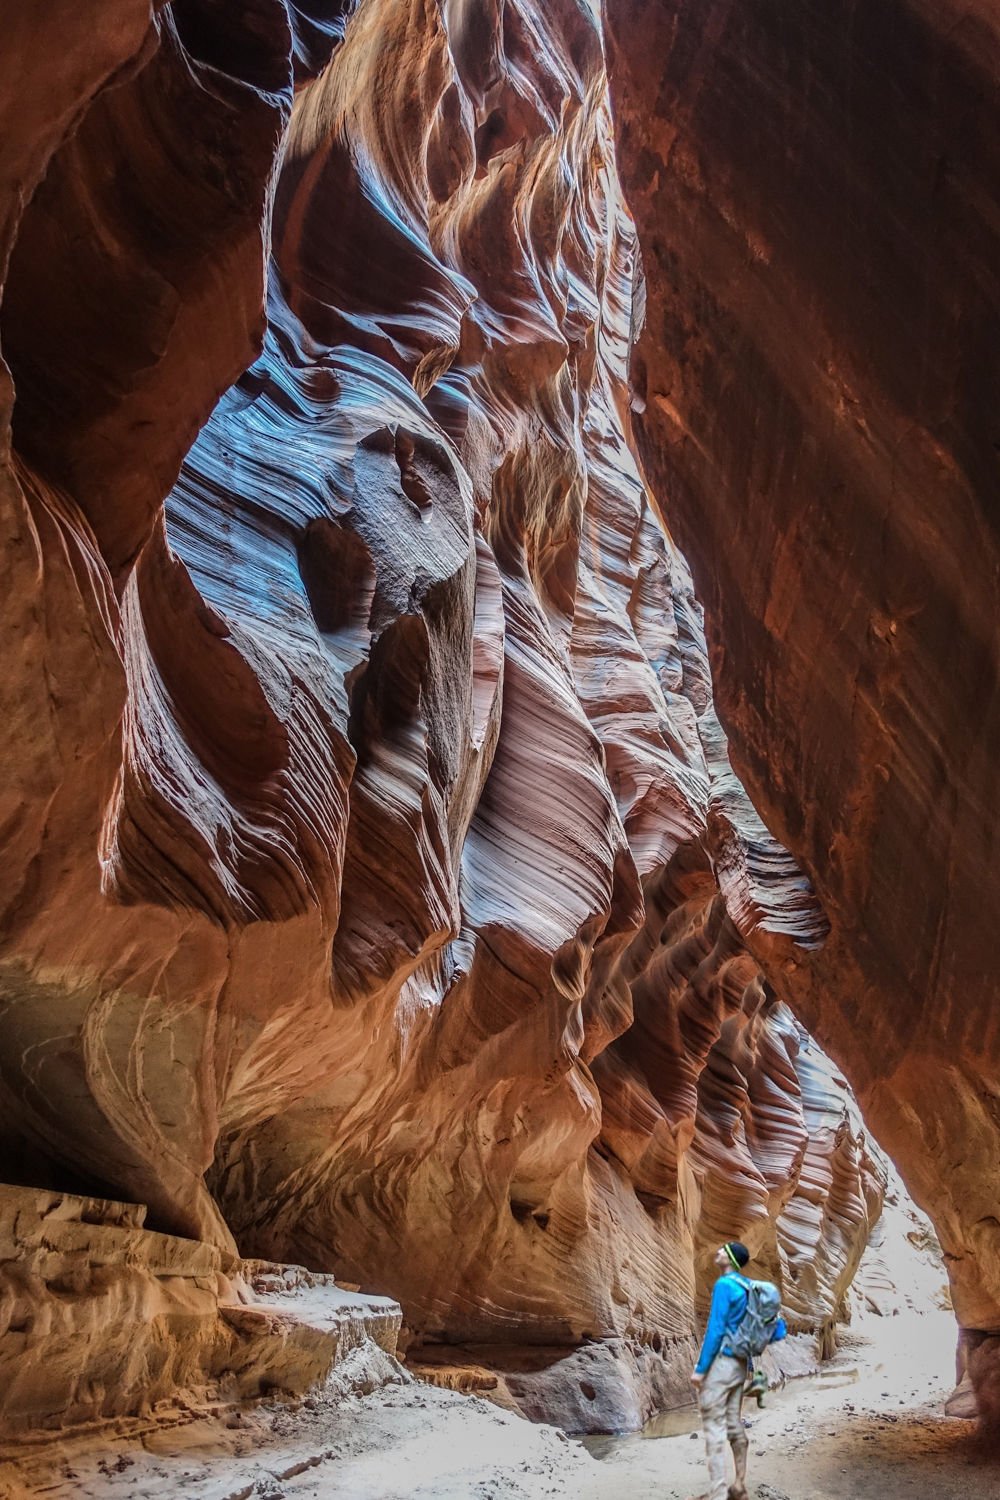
(373, 849)
(102, 1317)
(815, 395)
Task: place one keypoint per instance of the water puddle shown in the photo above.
(681, 1421)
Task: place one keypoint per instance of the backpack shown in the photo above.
(758, 1324)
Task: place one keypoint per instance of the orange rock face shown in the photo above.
(379, 891)
(816, 394)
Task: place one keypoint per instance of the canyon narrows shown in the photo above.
(380, 896)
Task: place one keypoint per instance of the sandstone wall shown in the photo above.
(379, 892)
(102, 1318)
(815, 395)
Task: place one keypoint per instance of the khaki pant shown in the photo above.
(721, 1402)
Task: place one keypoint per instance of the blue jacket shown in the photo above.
(729, 1303)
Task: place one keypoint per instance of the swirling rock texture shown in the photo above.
(816, 392)
(379, 892)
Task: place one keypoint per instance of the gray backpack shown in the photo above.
(759, 1322)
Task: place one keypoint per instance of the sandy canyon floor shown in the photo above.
(870, 1428)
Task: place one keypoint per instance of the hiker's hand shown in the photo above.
(697, 1380)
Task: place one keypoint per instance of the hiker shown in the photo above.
(743, 1320)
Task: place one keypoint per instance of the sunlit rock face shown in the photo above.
(815, 394)
(379, 892)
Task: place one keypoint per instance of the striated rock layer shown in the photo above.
(379, 892)
(104, 1318)
(815, 396)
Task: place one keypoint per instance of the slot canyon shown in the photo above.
(499, 699)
